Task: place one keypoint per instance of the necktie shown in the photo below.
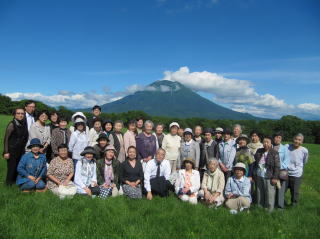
(158, 170)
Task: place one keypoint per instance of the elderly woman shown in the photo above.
(60, 173)
(227, 153)
(131, 175)
(119, 141)
(146, 144)
(60, 135)
(187, 184)
(255, 143)
(108, 169)
(54, 120)
(266, 171)
(129, 137)
(212, 184)
(298, 158)
(95, 131)
(40, 130)
(85, 177)
(15, 140)
(237, 190)
(159, 134)
(32, 168)
(100, 147)
(244, 155)
(140, 124)
(189, 149)
(283, 174)
(171, 144)
(78, 140)
(197, 134)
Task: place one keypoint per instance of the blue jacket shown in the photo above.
(284, 156)
(240, 187)
(28, 165)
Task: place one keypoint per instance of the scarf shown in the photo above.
(108, 173)
(212, 180)
(87, 170)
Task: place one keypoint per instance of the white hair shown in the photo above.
(212, 160)
(299, 135)
(148, 122)
(238, 126)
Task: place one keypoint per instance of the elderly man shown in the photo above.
(237, 131)
(212, 184)
(157, 175)
(298, 158)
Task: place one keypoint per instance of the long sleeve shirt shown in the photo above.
(227, 153)
(128, 173)
(194, 180)
(238, 187)
(298, 158)
(41, 132)
(283, 155)
(30, 166)
(30, 120)
(146, 146)
(129, 139)
(189, 150)
(84, 177)
(150, 172)
(78, 141)
(171, 144)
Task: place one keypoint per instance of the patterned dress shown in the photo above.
(60, 169)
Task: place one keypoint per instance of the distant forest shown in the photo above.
(289, 125)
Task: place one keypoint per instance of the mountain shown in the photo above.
(172, 99)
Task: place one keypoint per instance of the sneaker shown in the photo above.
(233, 211)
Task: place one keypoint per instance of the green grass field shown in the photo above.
(43, 215)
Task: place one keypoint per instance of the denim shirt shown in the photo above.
(227, 153)
(284, 156)
(239, 187)
(30, 166)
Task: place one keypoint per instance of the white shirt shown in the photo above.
(93, 136)
(81, 181)
(78, 141)
(150, 172)
(171, 144)
(30, 120)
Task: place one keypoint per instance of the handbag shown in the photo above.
(95, 190)
(283, 175)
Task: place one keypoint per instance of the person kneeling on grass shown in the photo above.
(60, 173)
(237, 190)
(108, 173)
(86, 176)
(131, 175)
(32, 168)
(188, 182)
(212, 184)
(157, 175)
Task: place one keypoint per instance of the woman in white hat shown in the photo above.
(79, 140)
(237, 190)
(171, 144)
(74, 117)
(189, 149)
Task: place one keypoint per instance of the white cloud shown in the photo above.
(239, 95)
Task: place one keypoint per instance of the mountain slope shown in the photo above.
(172, 99)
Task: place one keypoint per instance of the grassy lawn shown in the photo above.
(46, 216)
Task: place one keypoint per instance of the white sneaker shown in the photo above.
(233, 211)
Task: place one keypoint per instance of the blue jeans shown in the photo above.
(31, 185)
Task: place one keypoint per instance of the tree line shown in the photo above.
(289, 125)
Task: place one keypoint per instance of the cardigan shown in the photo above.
(213, 182)
(195, 181)
(100, 171)
(272, 164)
(128, 173)
(192, 151)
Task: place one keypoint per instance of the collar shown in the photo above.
(239, 180)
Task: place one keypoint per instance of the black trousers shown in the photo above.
(160, 186)
(12, 164)
(294, 184)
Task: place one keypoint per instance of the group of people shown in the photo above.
(95, 157)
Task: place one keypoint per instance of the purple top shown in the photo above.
(146, 146)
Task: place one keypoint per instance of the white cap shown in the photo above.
(219, 129)
(174, 124)
(79, 120)
(78, 114)
(188, 130)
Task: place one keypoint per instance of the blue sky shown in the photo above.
(85, 52)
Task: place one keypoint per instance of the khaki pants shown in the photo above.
(173, 165)
(238, 203)
(265, 193)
